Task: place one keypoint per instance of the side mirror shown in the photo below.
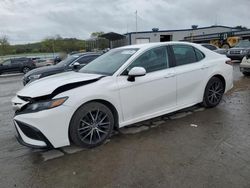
(136, 72)
(76, 65)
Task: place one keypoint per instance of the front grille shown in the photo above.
(235, 52)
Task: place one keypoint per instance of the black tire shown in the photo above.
(91, 125)
(245, 73)
(25, 70)
(225, 46)
(213, 92)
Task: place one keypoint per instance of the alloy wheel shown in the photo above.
(25, 70)
(215, 93)
(94, 127)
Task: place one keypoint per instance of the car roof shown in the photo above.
(85, 54)
(149, 45)
(206, 44)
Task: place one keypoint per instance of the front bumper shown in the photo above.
(245, 66)
(235, 56)
(44, 129)
(30, 136)
(244, 69)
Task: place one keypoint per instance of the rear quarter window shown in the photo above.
(186, 54)
(199, 54)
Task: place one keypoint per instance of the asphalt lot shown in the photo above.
(196, 147)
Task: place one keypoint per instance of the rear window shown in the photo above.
(210, 47)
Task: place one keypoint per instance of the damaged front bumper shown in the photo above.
(41, 129)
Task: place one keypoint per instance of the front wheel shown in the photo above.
(213, 92)
(25, 70)
(91, 125)
(225, 46)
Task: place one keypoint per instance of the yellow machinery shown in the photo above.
(226, 41)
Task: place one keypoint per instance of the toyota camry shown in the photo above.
(124, 86)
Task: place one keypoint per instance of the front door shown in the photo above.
(151, 94)
(6, 66)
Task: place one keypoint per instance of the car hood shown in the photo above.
(221, 51)
(42, 70)
(238, 48)
(53, 85)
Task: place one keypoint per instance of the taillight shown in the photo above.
(229, 62)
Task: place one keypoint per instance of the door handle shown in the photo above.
(204, 67)
(169, 75)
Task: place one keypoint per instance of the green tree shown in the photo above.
(240, 27)
(96, 34)
(5, 47)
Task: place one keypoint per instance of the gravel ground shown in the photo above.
(195, 147)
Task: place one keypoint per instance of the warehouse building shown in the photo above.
(173, 35)
(195, 34)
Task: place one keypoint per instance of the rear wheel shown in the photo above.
(213, 92)
(25, 70)
(91, 125)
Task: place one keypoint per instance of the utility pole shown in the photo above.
(136, 21)
(53, 47)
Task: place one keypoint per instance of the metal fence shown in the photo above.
(38, 55)
(102, 43)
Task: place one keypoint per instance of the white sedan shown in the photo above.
(124, 86)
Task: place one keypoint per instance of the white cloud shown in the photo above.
(33, 20)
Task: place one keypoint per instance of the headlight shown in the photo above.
(38, 106)
(34, 77)
(244, 51)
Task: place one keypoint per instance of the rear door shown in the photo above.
(190, 72)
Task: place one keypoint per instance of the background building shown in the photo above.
(174, 35)
(217, 35)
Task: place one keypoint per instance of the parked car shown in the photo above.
(245, 65)
(214, 48)
(17, 65)
(43, 62)
(123, 86)
(74, 62)
(239, 51)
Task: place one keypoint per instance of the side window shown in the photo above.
(15, 61)
(86, 59)
(210, 47)
(184, 54)
(199, 54)
(7, 62)
(19, 60)
(152, 60)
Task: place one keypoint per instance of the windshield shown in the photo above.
(67, 61)
(243, 44)
(110, 62)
